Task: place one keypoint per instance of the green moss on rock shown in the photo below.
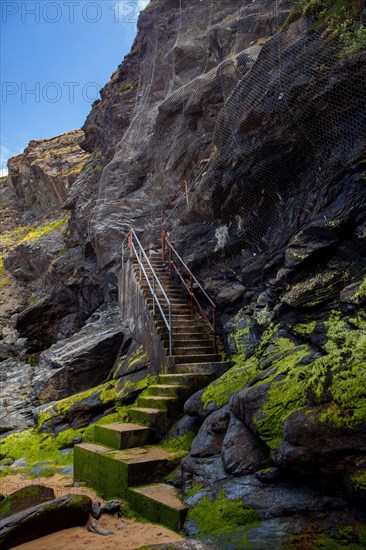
(222, 516)
(182, 443)
(359, 480)
(220, 391)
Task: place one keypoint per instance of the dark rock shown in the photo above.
(6, 351)
(15, 386)
(316, 290)
(206, 470)
(96, 511)
(318, 235)
(354, 487)
(183, 426)
(176, 478)
(243, 334)
(194, 407)
(40, 322)
(43, 519)
(29, 261)
(270, 475)
(93, 527)
(211, 434)
(25, 498)
(79, 362)
(112, 507)
(310, 442)
(242, 451)
(187, 545)
(42, 175)
(351, 294)
(134, 360)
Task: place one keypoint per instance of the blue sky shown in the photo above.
(55, 56)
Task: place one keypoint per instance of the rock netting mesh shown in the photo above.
(263, 116)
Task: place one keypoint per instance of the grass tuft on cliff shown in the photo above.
(335, 19)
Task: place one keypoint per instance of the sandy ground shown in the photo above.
(127, 534)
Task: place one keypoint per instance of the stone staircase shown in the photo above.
(124, 461)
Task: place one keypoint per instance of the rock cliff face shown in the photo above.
(260, 108)
(42, 176)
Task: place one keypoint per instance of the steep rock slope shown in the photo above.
(261, 110)
(43, 174)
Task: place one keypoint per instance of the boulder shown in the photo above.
(82, 361)
(30, 260)
(194, 407)
(242, 451)
(25, 498)
(15, 386)
(312, 442)
(211, 434)
(43, 519)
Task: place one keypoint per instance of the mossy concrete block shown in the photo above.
(168, 404)
(96, 466)
(151, 417)
(25, 498)
(193, 381)
(123, 435)
(110, 472)
(165, 390)
(159, 503)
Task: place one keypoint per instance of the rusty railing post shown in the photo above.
(171, 262)
(163, 243)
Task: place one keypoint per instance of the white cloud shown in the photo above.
(142, 4)
(4, 157)
(127, 11)
(7, 153)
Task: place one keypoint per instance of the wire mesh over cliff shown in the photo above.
(245, 112)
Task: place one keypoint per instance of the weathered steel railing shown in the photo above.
(132, 246)
(168, 250)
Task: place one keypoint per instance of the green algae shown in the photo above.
(334, 18)
(127, 363)
(182, 443)
(221, 516)
(193, 490)
(31, 233)
(359, 480)
(304, 329)
(34, 448)
(220, 391)
(350, 537)
(287, 393)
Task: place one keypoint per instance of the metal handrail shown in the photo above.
(189, 287)
(139, 252)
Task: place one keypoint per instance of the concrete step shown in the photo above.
(172, 292)
(188, 342)
(174, 301)
(159, 503)
(177, 308)
(151, 417)
(196, 359)
(217, 368)
(182, 321)
(166, 390)
(187, 379)
(190, 350)
(191, 331)
(195, 337)
(123, 435)
(111, 472)
(168, 404)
